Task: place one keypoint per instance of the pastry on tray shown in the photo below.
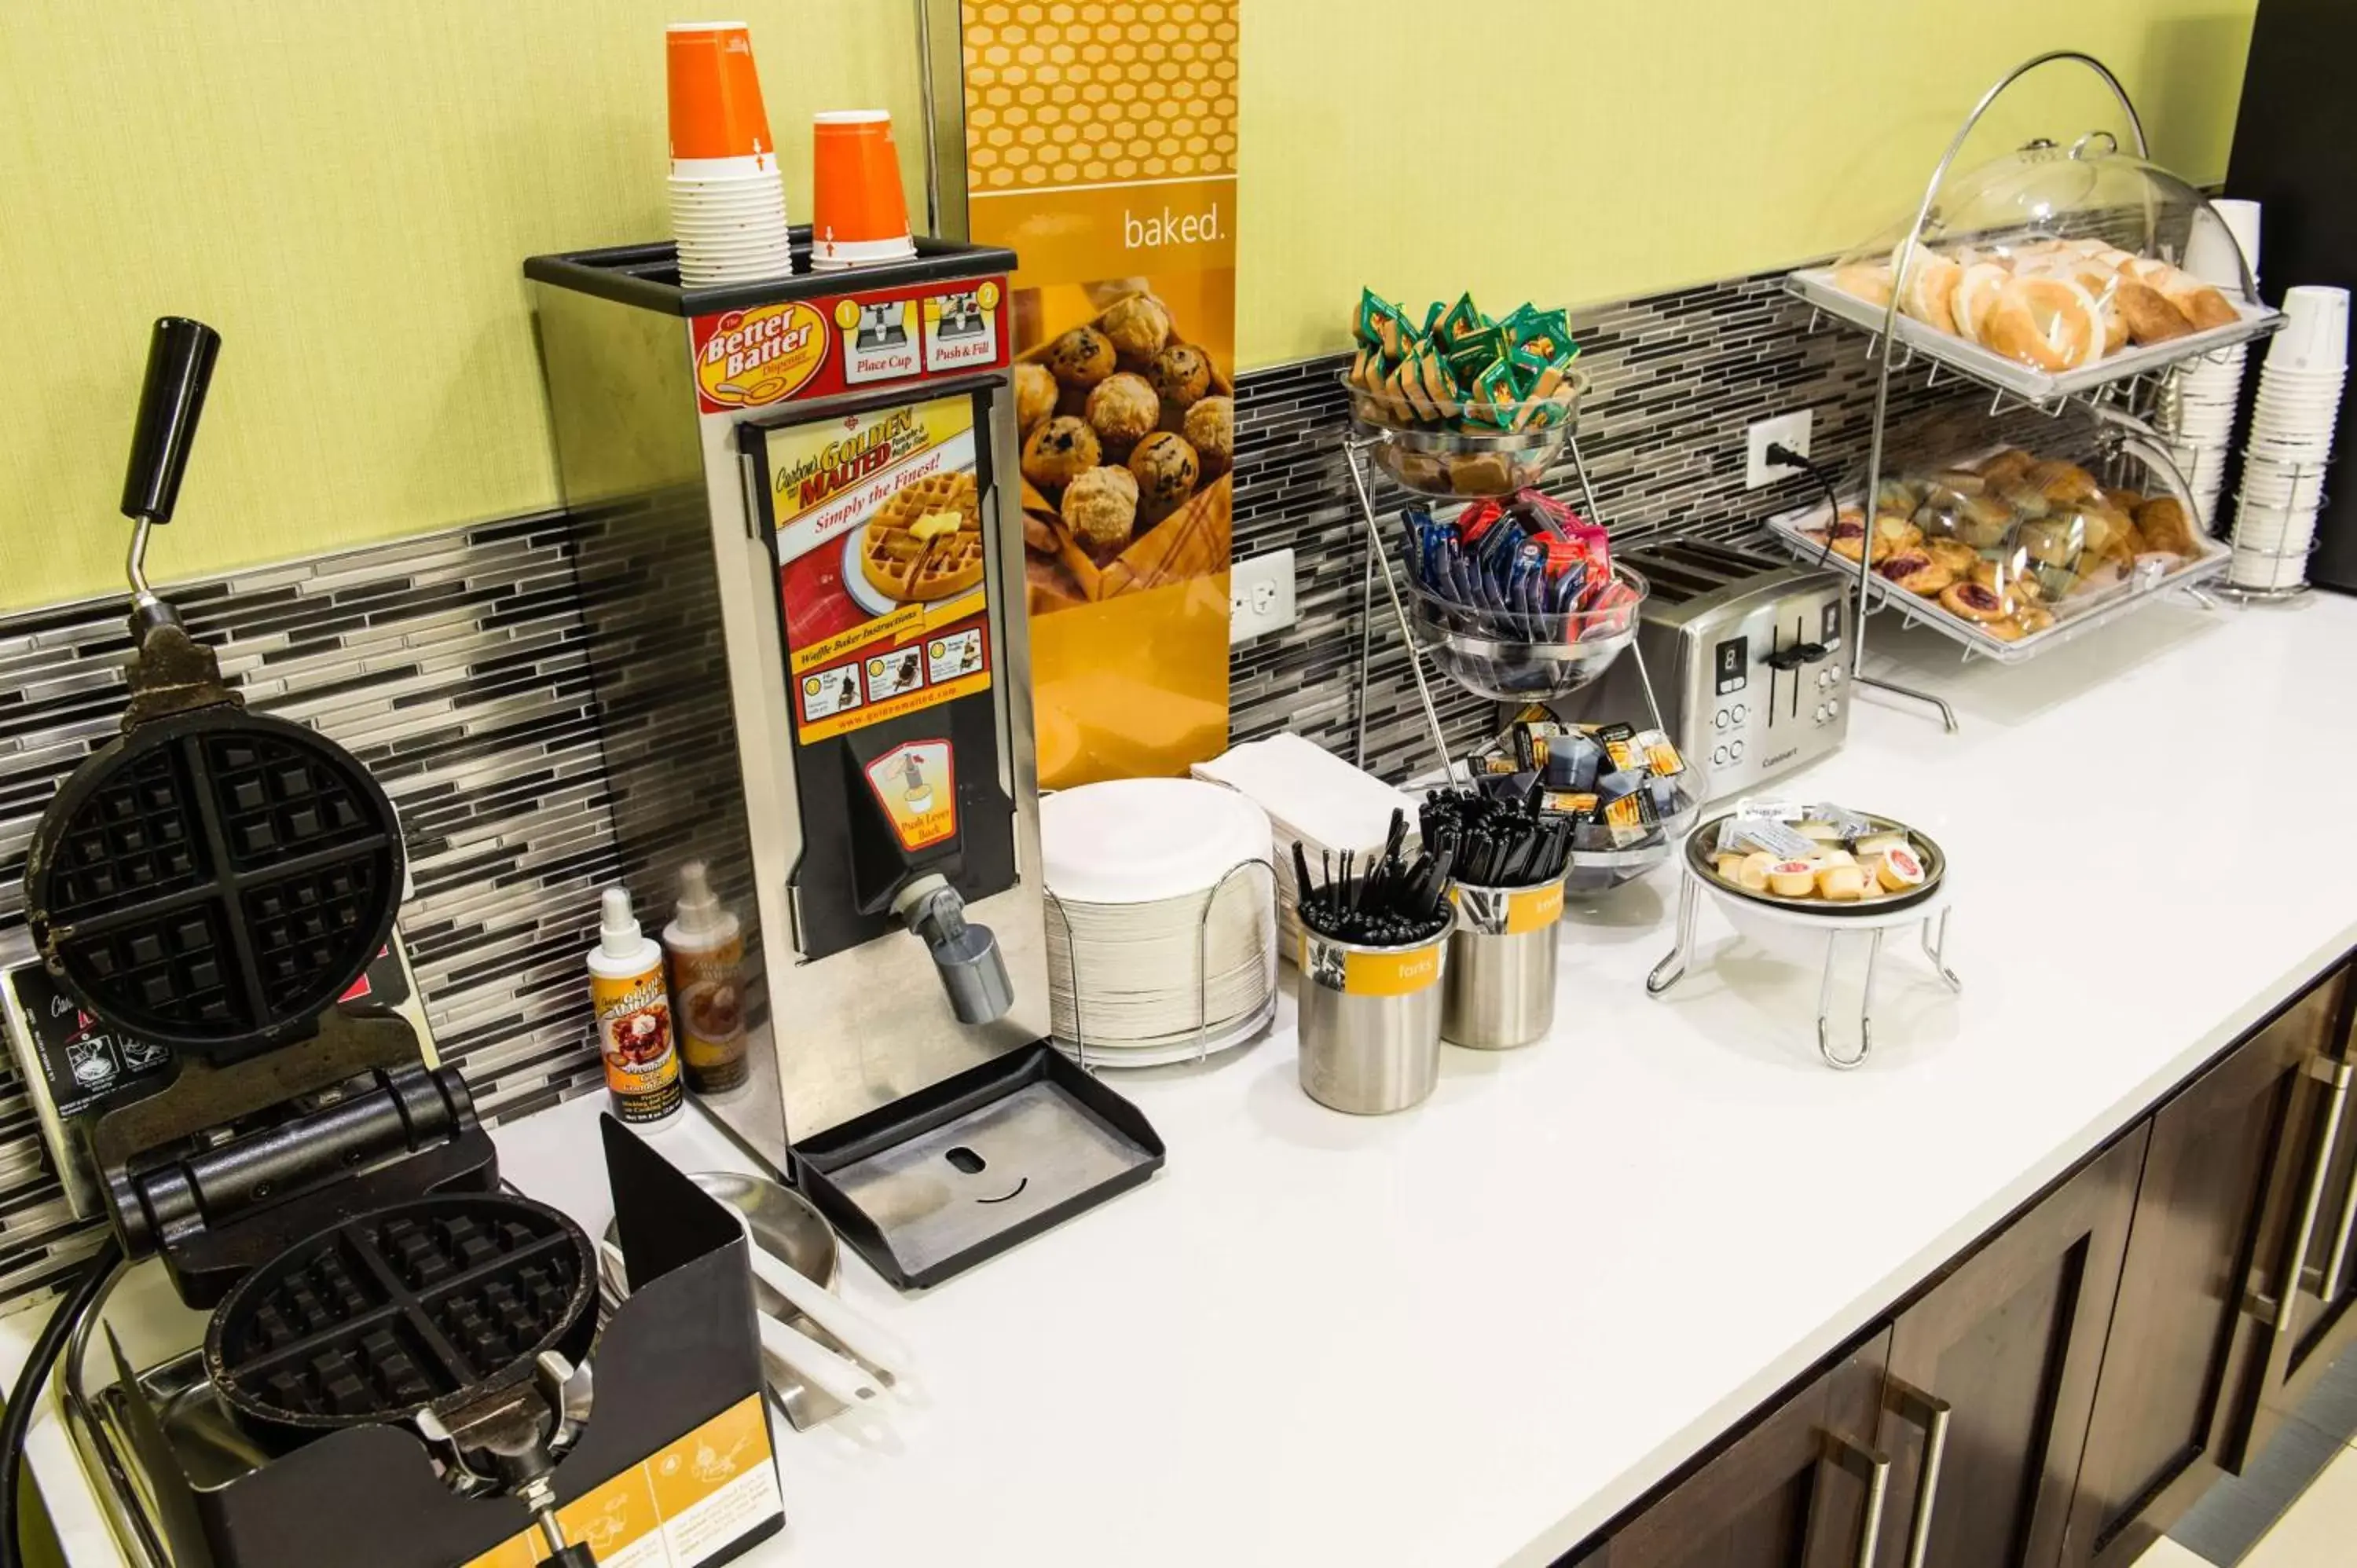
(2054, 304)
(2011, 543)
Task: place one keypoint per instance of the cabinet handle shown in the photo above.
(2335, 1077)
(1871, 1466)
(1931, 1413)
(2330, 1289)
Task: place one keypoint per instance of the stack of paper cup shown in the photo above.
(2290, 442)
(2219, 231)
(728, 197)
(2199, 418)
(858, 212)
(2204, 397)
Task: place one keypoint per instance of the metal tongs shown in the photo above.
(793, 1353)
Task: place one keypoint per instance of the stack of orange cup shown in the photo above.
(728, 196)
(858, 213)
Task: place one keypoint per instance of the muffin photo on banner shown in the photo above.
(1101, 147)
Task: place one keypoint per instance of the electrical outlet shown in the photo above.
(1260, 595)
(1786, 429)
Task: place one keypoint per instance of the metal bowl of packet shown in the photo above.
(1610, 866)
(1817, 863)
(1480, 449)
(1628, 793)
(1460, 403)
(1526, 655)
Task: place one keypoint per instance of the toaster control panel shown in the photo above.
(1774, 688)
(1747, 655)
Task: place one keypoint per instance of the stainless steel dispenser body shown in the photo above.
(709, 733)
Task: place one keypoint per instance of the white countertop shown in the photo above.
(1471, 1333)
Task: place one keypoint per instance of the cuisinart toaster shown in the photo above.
(1746, 652)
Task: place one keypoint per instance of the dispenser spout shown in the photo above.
(966, 956)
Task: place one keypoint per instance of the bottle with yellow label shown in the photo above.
(635, 1032)
(706, 945)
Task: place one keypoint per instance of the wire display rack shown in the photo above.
(2116, 389)
(1357, 450)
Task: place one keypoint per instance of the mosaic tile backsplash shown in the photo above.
(453, 666)
(458, 668)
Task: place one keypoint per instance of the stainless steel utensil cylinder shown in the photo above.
(1370, 1022)
(1500, 988)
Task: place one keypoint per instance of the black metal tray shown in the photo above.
(939, 1180)
(646, 276)
(1699, 850)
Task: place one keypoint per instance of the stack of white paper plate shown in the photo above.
(1159, 948)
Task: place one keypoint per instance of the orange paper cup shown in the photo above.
(716, 95)
(858, 211)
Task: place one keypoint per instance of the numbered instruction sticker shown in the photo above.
(826, 692)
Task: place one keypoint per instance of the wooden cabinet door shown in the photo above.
(1802, 1487)
(2303, 1287)
(2005, 1347)
(2184, 1347)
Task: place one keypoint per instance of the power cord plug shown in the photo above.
(1783, 457)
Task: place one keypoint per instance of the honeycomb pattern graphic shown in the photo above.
(1090, 91)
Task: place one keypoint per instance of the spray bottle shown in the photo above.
(635, 1033)
(706, 944)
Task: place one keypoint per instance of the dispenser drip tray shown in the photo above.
(935, 1182)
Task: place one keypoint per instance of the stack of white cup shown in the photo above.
(730, 224)
(2206, 394)
(2290, 443)
(728, 197)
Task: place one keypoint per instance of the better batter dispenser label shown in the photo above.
(677, 1509)
(876, 519)
(814, 347)
(747, 358)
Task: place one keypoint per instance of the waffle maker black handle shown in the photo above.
(180, 357)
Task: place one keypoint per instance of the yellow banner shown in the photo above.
(908, 621)
(1101, 145)
(949, 612)
(679, 1508)
(907, 703)
(1084, 232)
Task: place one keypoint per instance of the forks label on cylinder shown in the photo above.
(1391, 971)
(1509, 911)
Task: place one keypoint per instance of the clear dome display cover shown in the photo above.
(2063, 261)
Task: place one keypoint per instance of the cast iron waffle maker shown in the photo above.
(214, 880)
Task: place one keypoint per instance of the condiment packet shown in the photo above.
(1407, 384)
(1776, 838)
(1459, 322)
(1573, 761)
(1631, 817)
(1660, 754)
(1848, 824)
(1496, 392)
(1619, 743)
